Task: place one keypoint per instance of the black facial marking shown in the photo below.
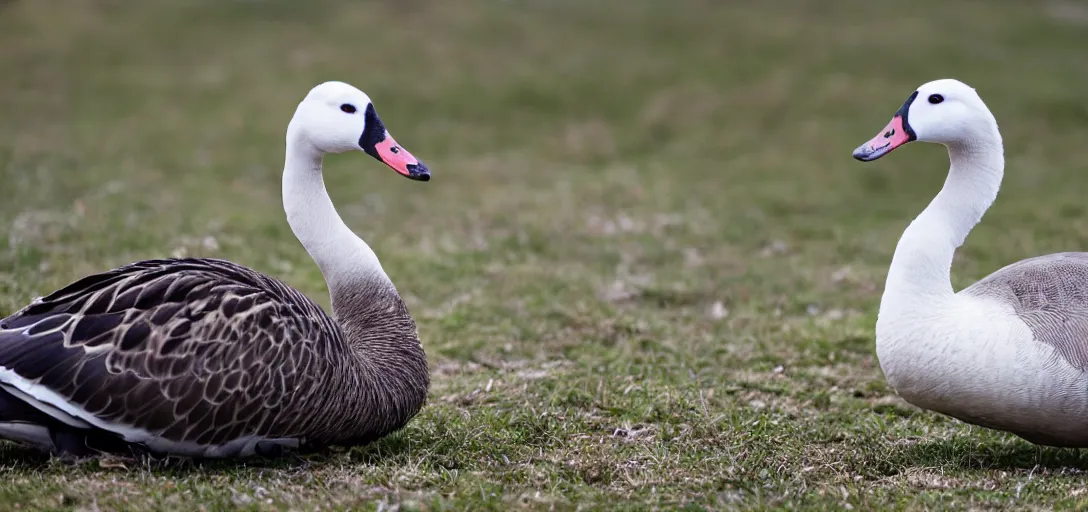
(374, 132)
(904, 112)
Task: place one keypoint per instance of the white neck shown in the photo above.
(345, 260)
(922, 263)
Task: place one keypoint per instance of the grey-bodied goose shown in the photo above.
(207, 358)
(1010, 352)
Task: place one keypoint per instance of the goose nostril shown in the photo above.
(889, 133)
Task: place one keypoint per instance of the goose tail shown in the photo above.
(24, 424)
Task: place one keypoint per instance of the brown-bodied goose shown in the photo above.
(207, 358)
(1010, 352)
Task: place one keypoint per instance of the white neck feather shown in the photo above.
(921, 266)
(345, 259)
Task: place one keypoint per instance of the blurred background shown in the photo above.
(633, 202)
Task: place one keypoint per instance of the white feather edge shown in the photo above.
(56, 413)
(27, 433)
(49, 402)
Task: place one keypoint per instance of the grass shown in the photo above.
(646, 271)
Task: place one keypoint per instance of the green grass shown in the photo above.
(646, 271)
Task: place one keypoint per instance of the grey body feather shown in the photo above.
(1050, 294)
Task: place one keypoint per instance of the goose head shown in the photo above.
(335, 117)
(946, 111)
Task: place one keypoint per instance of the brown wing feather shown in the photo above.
(191, 350)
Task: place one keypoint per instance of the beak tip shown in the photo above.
(419, 172)
(867, 153)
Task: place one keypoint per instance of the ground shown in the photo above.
(646, 271)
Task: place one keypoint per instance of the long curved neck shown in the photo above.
(387, 382)
(921, 266)
(345, 260)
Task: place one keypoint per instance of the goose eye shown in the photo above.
(935, 98)
(348, 108)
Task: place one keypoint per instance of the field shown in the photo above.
(646, 271)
